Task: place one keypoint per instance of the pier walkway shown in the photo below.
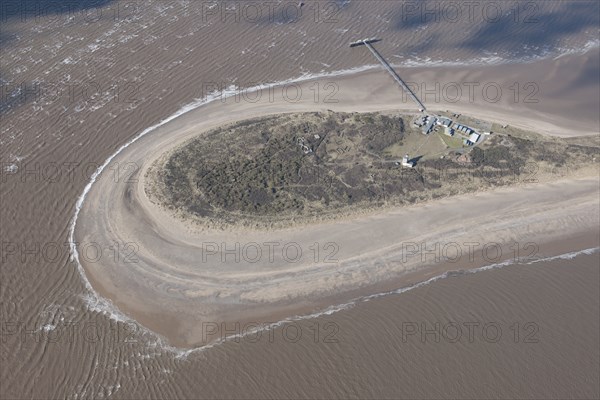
(391, 71)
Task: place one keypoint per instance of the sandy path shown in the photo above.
(163, 270)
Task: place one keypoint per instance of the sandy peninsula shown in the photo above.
(175, 277)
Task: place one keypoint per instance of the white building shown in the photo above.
(444, 121)
(429, 125)
(473, 138)
(406, 163)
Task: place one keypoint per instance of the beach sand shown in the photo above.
(194, 275)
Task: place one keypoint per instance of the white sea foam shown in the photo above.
(495, 59)
(590, 45)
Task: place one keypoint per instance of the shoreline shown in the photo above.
(165, 328)
(134, 210)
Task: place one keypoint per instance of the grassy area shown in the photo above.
(321, 164)
(453, 142)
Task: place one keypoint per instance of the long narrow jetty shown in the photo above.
(367, 42)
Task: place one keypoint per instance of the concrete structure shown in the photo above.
(406, 162)
(364, 42)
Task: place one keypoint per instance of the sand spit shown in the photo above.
(162, 270)
(105, 80)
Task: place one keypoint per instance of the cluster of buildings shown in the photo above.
(471, 137)
(463, 128)
(428, 124)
